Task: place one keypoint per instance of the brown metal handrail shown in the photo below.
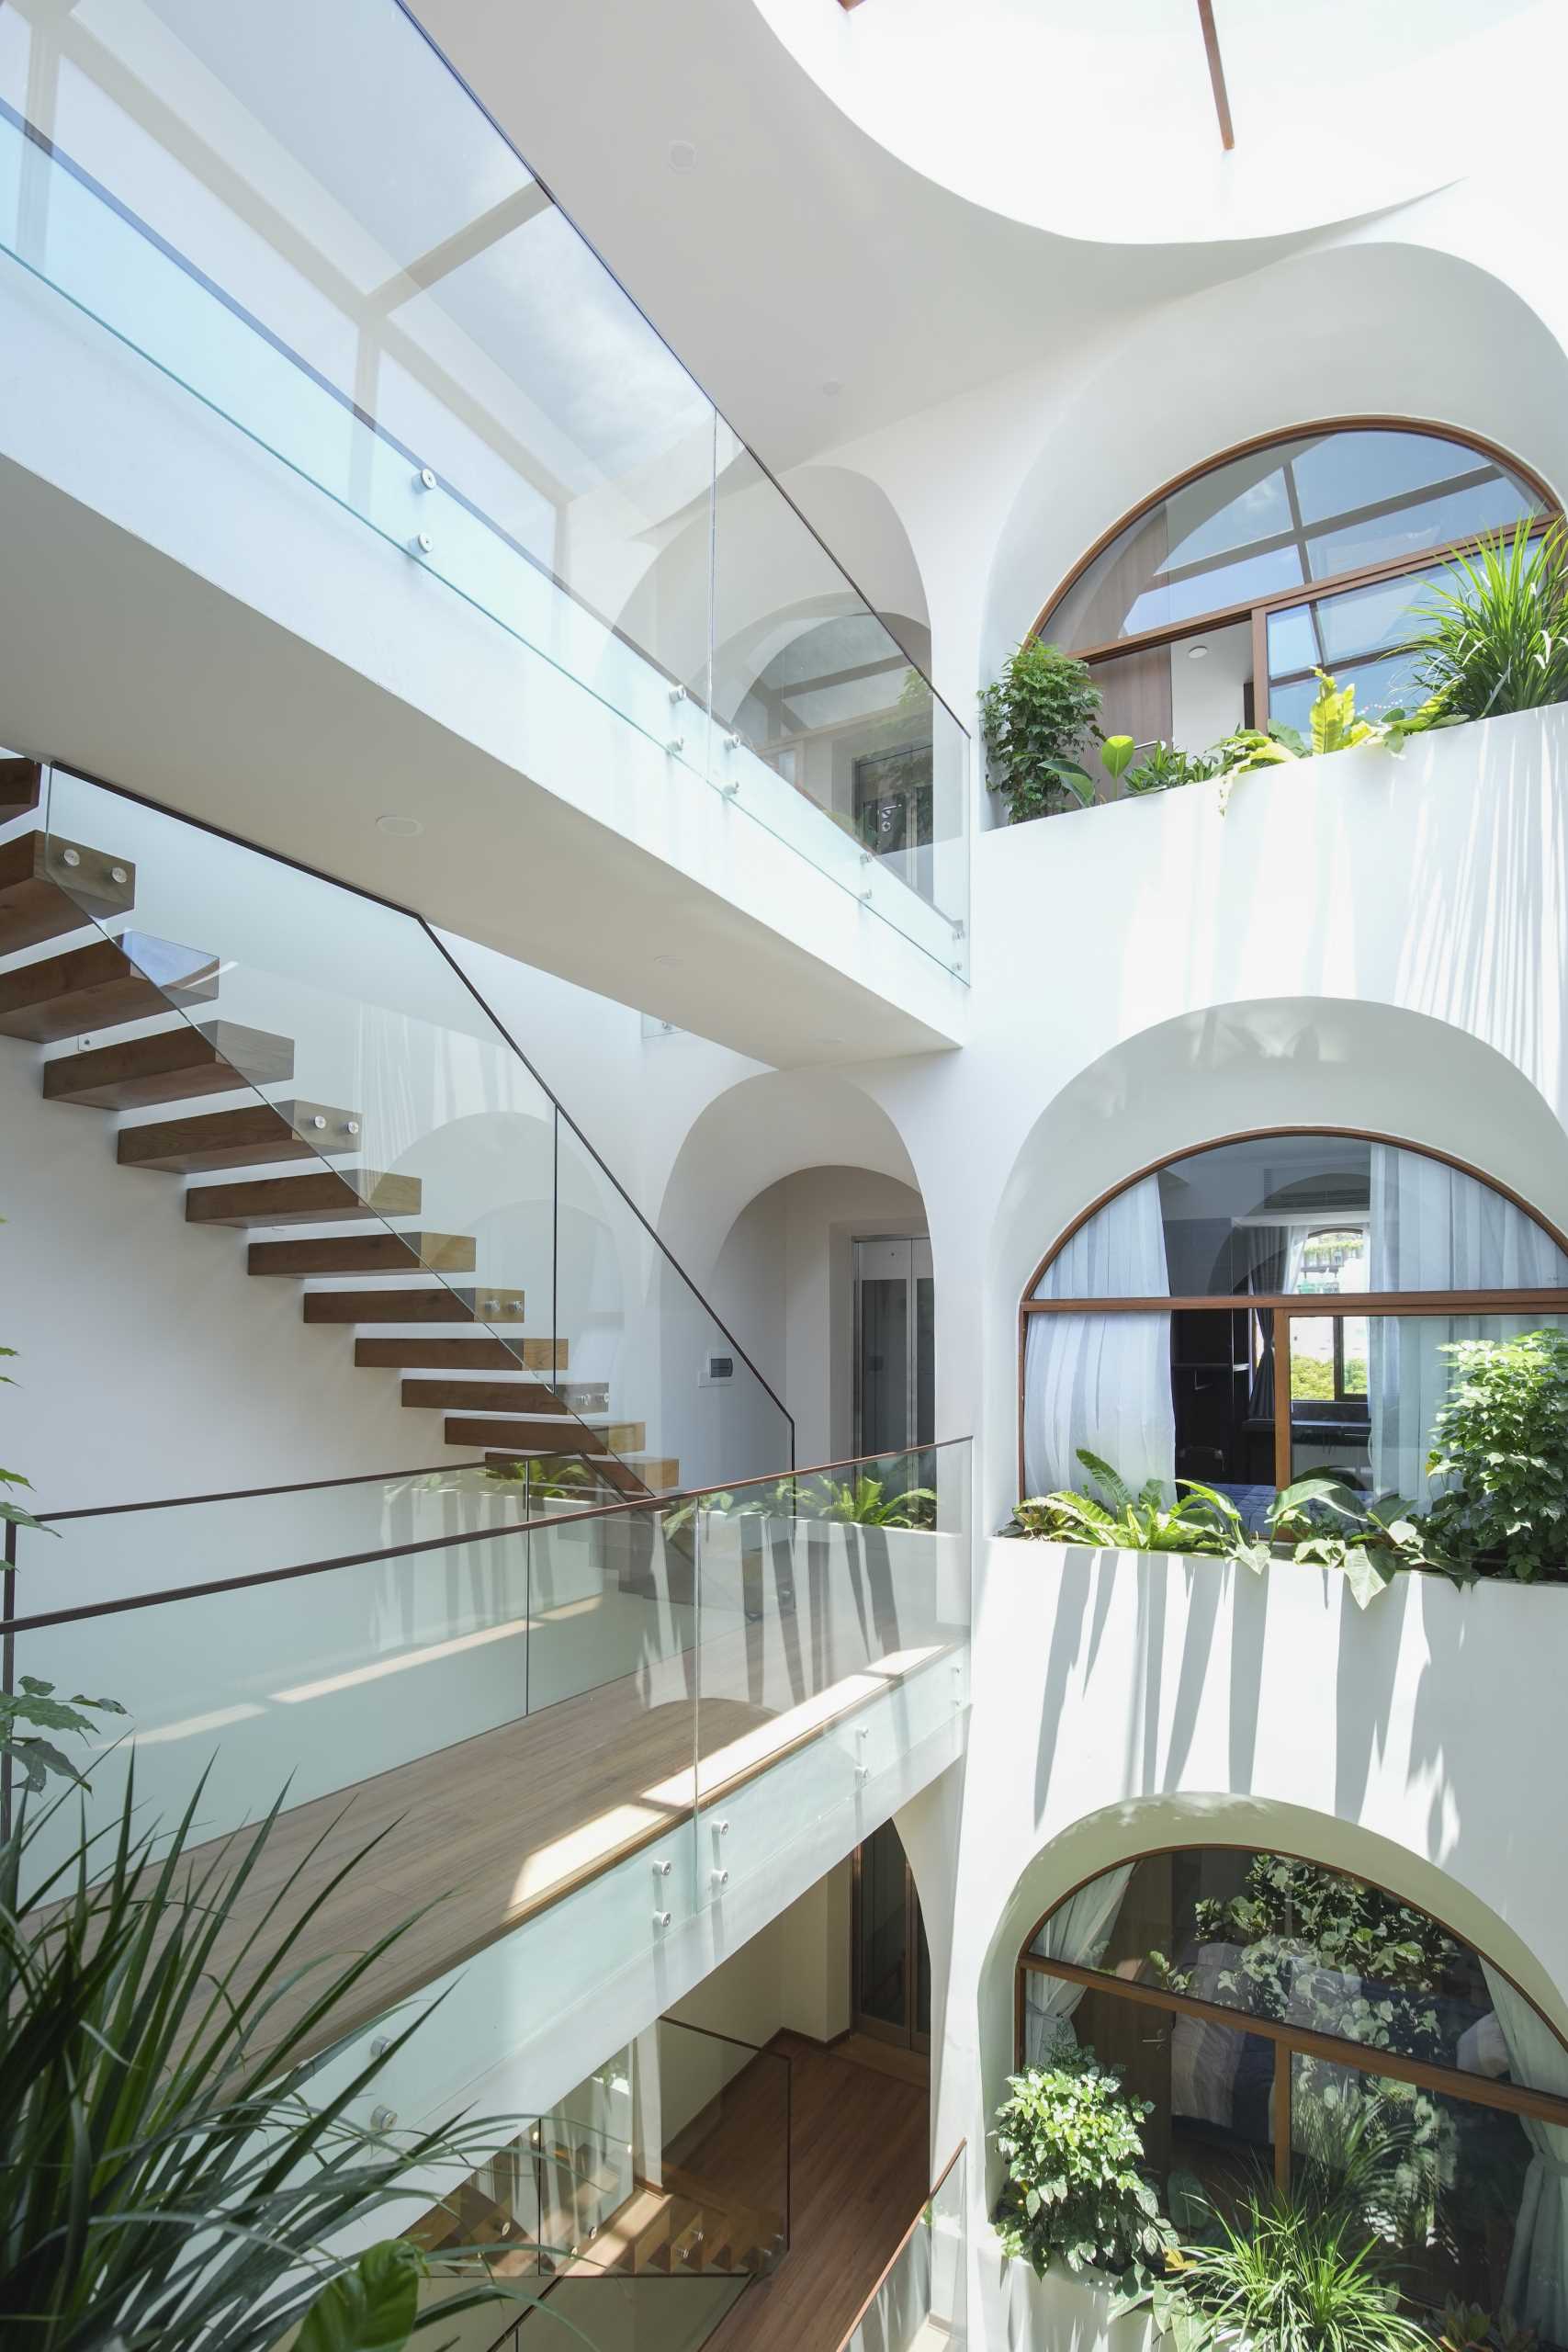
(673, 1498)
(892, 2263)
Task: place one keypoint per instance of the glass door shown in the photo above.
(894, 1343)
(891, 1959)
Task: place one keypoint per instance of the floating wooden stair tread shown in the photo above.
(43, 894)
(247, 1138)
(483, 1397)
(100, 987)
(171, 1066)
(524, 1435)
(432, 1305)
(644, 1474)
(324, 1195)
(20, 784)
(460, 1355)
(365, 1253)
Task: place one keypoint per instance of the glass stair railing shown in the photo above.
(343, 1106)
(323, 240)
(639, 2208)
(580, 1726)
(922, 2301)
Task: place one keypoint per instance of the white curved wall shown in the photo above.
(1361, 942)
(1126, 1702)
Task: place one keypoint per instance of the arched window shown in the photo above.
(1212, 606)
(1273, 1306)
(1258, 2002)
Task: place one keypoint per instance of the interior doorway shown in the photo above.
(890, 1959)
(894, 1343)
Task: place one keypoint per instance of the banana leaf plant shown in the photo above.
(168, 2178)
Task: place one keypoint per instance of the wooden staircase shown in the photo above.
(50, 892)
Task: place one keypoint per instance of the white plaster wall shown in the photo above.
(1362, 941)
(787, 1272)
(1126, 1702)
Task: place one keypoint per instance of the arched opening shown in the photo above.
(1213, 604)
(1268, 2008)
(1274, 1305)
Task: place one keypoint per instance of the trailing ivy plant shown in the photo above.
(1038, 716)
(1501, 1436)
(1496, 634)
(1075, 2192)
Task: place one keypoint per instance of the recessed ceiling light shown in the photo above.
(682, 155)
(404, 828)
(832, 388)
(1196, 652)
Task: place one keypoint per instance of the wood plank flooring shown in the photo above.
(477, 1838)
(859, 2143)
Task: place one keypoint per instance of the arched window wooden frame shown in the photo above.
(1316, 1306)
(1289, 2040)
(1256, 611)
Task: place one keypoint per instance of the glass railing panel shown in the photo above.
(438, 1128)
(670, 2160)
(402, 1679)
(820, 711)
(697, 1408)
(921, 2305)
(434, 347)
(819, 1597)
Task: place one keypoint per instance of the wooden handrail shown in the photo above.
(676, 1496)
(892, 2263)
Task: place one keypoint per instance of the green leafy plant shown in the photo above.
(1501, 1435)
(1496, 633)
(1369, 1538)
(1331, 1952)
(1038, 716)
(1332, 726)
(1200, 1520)
(165, 2180)
(1465, 2327)
(1073, 2143)
(1290, 2271)
(864, 1502)
(1163, 768)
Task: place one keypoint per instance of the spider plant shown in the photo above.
(166, 2180)
(1495, 634)
(1299, 2269)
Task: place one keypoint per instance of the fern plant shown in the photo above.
(1200, 1520)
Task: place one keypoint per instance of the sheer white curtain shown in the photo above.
(1077, 1931)
(1538, 2268)
(1102, 1381)
(1433, 1227)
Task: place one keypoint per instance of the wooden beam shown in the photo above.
(1216, 73)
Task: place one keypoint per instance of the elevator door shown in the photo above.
(894, 1343)
(892, 1961)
